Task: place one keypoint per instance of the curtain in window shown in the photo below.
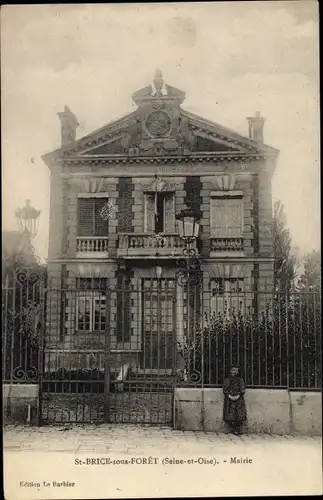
(169, 213)
(150, 213)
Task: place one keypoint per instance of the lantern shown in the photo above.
(28, 219)
(188, 224)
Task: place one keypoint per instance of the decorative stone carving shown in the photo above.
(158, 185)
(220, 270)
(96, 185)
(225, 182)
(186, 138)
(158, 105)
(158, 123)
(91, 270)
(149, 185)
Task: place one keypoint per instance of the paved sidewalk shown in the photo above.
(137, 439)
(127, 461)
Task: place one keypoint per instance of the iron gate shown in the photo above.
(108, 353)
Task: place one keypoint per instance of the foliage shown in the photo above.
(278, 348)
(311, 277)
(21, 294)
(16, 251)
(285, 259)
(18, 258)
(20, 347)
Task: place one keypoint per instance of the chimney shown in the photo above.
(256, 127)
(69, 123)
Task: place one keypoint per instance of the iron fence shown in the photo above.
(116, 353)
(276, 344)
(23, 309)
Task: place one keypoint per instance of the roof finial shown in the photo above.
(158, 82)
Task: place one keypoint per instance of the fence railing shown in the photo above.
(279, 346)
(23, 309)
(274, 337)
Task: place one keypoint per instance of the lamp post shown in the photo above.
(189, 272)
(189, 277)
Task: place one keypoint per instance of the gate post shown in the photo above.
(107, 357)
(41, 345)
(174, 355)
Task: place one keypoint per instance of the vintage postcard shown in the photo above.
(161, 284)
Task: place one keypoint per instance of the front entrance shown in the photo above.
(157, 324)
(113, 361)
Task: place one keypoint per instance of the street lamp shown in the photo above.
(188, 224)
(189, 265)
(189, 277)
(28, 220)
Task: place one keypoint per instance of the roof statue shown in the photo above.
(158, 83)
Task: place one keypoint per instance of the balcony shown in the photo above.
(92, 247)
(134, 245)
(226, 247)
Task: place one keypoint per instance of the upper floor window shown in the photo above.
(92, 216)
(226, 215)
(159, 213)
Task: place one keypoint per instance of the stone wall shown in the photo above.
(20, 403)
(268, 410)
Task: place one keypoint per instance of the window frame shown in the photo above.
(227, 294)
(94, 196)
(92, 296)
(164, 194)
(226, 195)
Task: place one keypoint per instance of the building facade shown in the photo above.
(114, 243)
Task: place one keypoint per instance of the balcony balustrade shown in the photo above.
(226, 245)
(92, 247)
(133, 245)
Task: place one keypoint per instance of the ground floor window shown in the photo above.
(91, 305)
(227, 296)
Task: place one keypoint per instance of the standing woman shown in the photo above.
(234, 409)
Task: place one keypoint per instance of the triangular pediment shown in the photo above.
(191, 136)
(160, 127)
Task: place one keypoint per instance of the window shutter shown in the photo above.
(150, 213)
(169, 226)
(90, 222)
(101, 224)
(84, 216)
(226, 218)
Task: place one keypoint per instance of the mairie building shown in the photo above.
(114, 239)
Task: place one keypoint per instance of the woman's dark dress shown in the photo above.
(234, 412)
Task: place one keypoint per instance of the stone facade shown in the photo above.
(196, 161)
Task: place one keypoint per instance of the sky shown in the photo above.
(231, 59)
